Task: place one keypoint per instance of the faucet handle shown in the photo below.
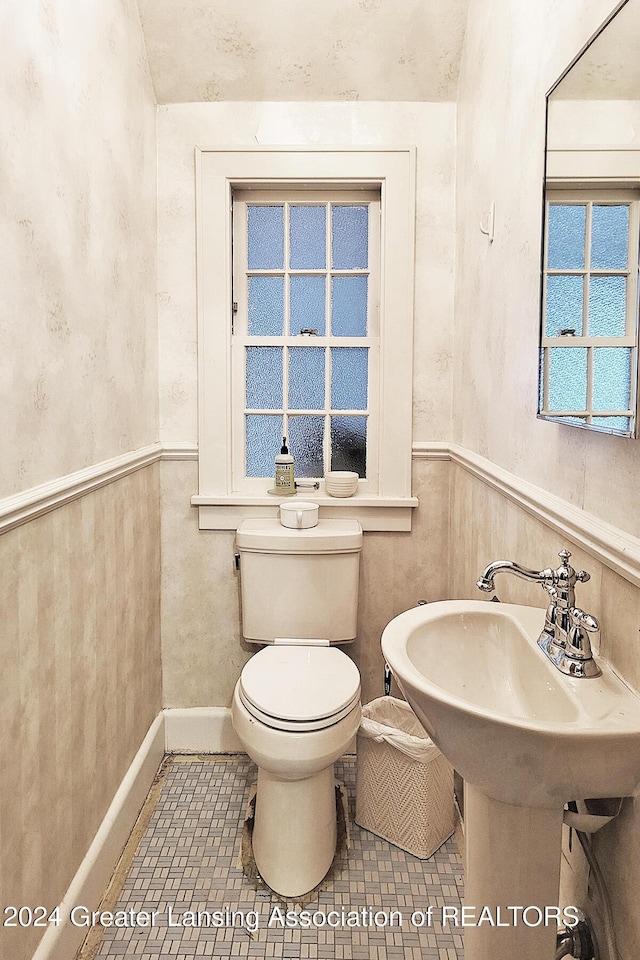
(583, 576)
(581, 619)
(578, 647)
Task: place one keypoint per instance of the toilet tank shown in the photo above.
(299, 584)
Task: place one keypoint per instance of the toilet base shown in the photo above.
(294, 831)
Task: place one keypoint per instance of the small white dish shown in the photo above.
(341, 483)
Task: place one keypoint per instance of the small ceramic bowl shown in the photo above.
(341, 483)
(299, 514)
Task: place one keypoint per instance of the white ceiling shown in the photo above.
(255, 50)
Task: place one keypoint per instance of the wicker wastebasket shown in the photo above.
(404, 786)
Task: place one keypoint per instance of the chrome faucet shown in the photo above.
(564, 638)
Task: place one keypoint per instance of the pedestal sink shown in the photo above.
(526, 739)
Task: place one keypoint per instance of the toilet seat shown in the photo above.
(299, 688)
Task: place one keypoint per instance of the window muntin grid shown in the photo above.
(588, 358)
(307, 301)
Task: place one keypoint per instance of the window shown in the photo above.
(305, 331)
(590, 309)
(305, 292)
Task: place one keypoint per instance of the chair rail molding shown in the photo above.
(615, 548)
(41, 499)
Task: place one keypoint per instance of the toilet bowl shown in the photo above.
(296, 709)
(296, 705)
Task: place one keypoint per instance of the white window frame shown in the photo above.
(594, 195)
(371, 341)
(221, 171)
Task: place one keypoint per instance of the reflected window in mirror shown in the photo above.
(590, 309)
(589, 304)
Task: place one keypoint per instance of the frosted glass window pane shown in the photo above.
(564, 304)
(308, 237)
(307, 297)
(567, 378)
(349, 375)
(349, 444)
(306, 378)
(263, 439)
(350, 237)
(306, 444)
(611, 378)
(607, 306)
(266, 306)
(566, 236)
(265, 231)
(609, 237)
(349, 306)
(612, 423)
(264, 378)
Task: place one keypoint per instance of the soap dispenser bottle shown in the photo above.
(285, 483)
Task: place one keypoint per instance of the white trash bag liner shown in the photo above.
(393, 721)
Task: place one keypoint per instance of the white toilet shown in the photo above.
(296, 706)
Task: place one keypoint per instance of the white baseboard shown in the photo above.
(175, 730)
(90, 882)
(200, 730)
(189, 730)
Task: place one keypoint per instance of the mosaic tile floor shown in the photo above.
(185, 896)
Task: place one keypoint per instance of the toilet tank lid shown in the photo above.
(262, 535)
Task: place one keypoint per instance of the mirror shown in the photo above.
(591, 235)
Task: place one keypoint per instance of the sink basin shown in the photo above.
(510, 723)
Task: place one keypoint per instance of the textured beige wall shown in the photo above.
(80, 681)
(512, 56)
(79, 633)
(182, 127)
(202, 654)
(78, 353)
(398, 569)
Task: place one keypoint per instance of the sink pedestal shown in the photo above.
(512, 858)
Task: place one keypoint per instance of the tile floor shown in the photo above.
(184, 894)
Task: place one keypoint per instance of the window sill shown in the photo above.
(373, 512)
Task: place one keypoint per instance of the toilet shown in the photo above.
(296, 706)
